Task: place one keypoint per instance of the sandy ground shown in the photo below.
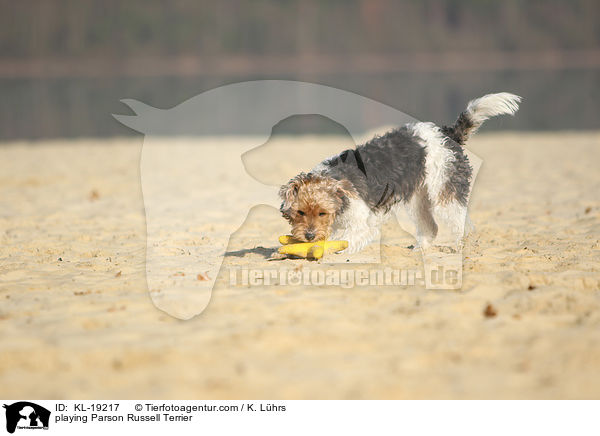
(77, 320)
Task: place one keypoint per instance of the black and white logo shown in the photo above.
(26, 415)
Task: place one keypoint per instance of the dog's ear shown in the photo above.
(289, 194)
(345, 189)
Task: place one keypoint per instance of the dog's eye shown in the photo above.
(300, 213)
(322, 214)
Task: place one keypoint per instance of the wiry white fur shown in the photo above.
(357, 224)
(490, 105)
(455, 217)
(437, 160)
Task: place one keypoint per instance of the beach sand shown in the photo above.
(77, 319)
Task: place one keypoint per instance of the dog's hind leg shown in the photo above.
(454, 216)
(419, 209)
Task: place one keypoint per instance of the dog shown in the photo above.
(420, 166)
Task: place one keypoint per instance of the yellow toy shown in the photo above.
(313, 250)
(288, 239)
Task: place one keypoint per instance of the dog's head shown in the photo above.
(310, 202)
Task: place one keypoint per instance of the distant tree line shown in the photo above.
(31, 29)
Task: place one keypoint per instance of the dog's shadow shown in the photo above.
(267, 253)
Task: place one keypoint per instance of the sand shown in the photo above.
(77, 319)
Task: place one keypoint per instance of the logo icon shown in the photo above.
(26, 415)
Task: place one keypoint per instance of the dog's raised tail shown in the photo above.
(478, 111)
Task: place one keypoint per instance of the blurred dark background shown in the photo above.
(65, 64)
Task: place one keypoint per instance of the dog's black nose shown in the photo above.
(310, 235)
